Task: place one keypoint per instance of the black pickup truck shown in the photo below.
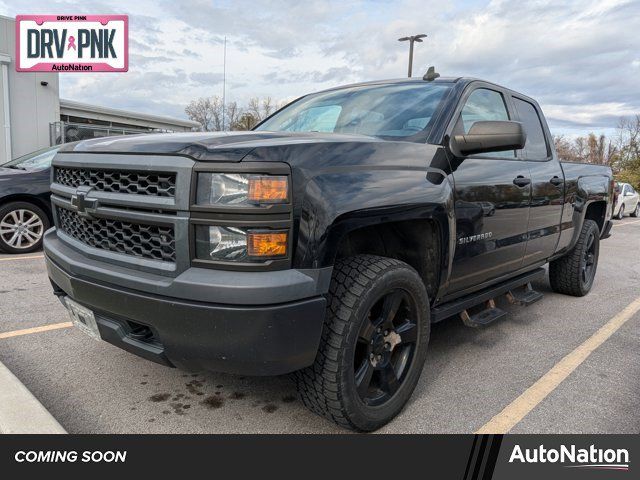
(326, 241)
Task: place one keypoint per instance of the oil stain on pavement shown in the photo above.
(197, 386)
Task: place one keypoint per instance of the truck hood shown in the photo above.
(208, 146)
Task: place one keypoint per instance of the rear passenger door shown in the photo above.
(492, 193)
(547, 184)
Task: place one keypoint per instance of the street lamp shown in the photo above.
(412, 39)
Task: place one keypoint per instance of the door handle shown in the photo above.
(521, 181)
(556, 180)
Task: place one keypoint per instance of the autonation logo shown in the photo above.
(592, 457)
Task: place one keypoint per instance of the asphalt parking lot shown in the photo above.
(470, 376)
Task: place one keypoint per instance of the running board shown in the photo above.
(490, 314)
(524, 295)
(454, 307)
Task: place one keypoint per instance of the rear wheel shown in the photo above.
(373, 344)
(22, 225)
(636, 211)
(573, 274)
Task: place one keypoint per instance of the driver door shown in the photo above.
(492, 195)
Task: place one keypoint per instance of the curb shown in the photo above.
(20, 411)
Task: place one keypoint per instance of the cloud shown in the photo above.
(578, 58)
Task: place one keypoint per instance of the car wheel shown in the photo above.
(573, 273)
(620, 212)
(22, 226)
(636, 211)
(373, 344)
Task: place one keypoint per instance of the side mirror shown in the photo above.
(489, 136)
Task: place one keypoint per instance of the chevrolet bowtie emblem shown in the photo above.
(82, 203)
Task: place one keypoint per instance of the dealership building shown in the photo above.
(33, 115)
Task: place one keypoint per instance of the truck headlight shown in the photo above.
(237, 244)
(239, 189)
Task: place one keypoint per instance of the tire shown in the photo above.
(27, 221)
(620, 212)
(364, 287)
(571, 274)
(636, 212)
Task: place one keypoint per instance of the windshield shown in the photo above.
(38, 160)
(403, 111)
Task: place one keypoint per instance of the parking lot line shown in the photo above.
(521, 406)
(11, 259)
(626, 223)
(29, 331)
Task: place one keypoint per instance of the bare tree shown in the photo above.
(564, 148)
(233, 114)
(207, 112)
(628, 141)
(201, 111)
(268, 107)
(246, 121)
(261, 109)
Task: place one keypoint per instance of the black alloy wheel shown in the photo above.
(385, 349)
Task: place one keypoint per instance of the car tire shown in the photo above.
(22, 227)
(620, 212)
(373, 344)
(636, 211)
(573, 273)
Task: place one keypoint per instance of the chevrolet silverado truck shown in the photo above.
(326, 241)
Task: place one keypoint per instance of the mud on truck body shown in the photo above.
(325, 242)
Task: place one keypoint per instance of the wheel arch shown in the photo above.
(421, 241)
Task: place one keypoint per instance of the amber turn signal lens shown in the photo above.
(271, 189)
(263, 244)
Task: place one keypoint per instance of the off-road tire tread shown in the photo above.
(565, 272)
(319, 385)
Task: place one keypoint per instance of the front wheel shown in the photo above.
(22, 225)
(620, 212)
(373, 345)
(573, 274)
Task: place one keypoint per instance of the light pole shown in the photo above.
(224, 83)
(412, 39)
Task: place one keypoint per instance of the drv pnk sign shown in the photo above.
(72, 43)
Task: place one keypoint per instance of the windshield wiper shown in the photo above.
(15, 167)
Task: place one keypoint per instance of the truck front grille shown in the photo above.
(161, 184)
(146, 241)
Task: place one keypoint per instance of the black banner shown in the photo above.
(460, 457)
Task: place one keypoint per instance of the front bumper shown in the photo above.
(251, 339)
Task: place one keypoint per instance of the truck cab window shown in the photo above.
(482, 105)
(536, 146)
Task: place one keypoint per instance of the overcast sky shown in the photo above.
(579, 59)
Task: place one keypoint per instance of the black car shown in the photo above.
(25, 210)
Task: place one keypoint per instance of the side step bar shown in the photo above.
(490, 314)
(511, 286)
(524, 295)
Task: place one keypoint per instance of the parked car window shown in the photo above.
(536, 146)
(38, 160)
(390, 111)
(484, 104)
